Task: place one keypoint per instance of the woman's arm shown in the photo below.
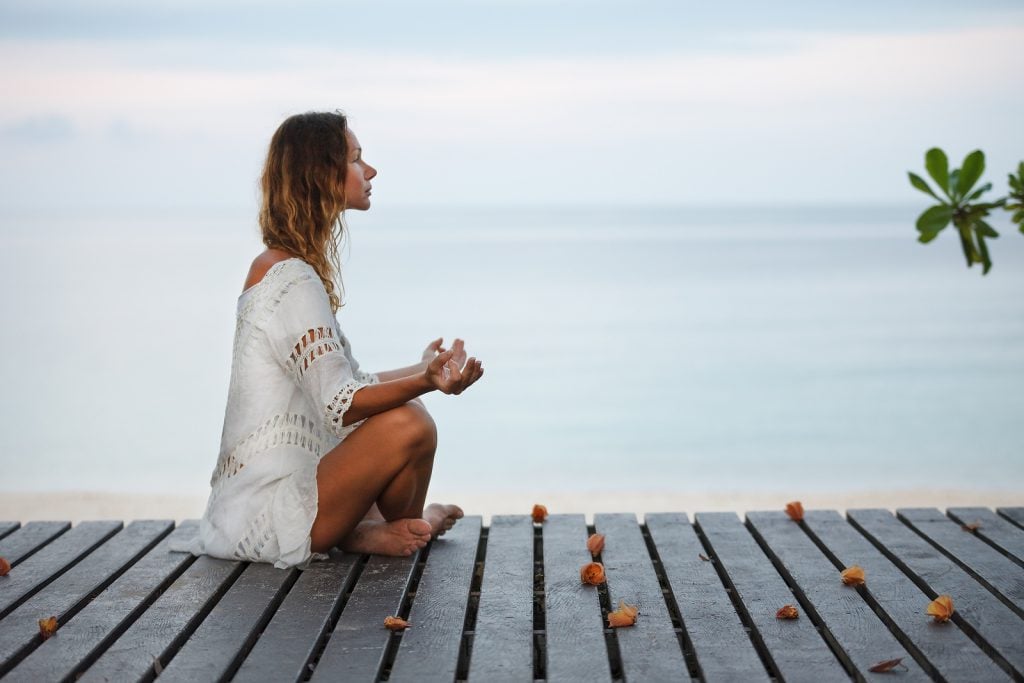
(389, 375)
(376, 398)
(433, 349)
(448, 372)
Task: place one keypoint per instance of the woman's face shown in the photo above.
(357, 176)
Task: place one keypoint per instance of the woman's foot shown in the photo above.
(399, 538)
(441, 517)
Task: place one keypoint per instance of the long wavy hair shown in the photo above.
(303, 193)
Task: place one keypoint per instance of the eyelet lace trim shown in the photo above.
(337, 406)
(312, 345)
(282, 429)
(256, 536)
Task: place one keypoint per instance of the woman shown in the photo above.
(316, 452)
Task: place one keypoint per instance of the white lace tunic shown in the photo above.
(292, 379)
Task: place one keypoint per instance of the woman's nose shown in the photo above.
(371, 172)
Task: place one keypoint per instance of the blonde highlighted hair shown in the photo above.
(303, 193)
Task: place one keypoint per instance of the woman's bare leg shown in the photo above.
(388, 461)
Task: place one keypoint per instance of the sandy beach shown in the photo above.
(75, 506)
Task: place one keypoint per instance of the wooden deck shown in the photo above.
(505, 602)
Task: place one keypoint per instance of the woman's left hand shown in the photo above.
(433, 348)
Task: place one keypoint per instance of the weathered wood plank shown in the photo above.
(848, 612)
(65, 595)
(429, 650)
(985, 563)
(83, 637)
(220, 643)
(503, 635)
(998, 531)
(28, 539)
(161, 629)
(1014, 514)
(573, 621)
(978, 611)
(793, 647)
(289, 642)
(49, 562)
(6, 528)
(355, 649)
(947, 652)
(650, 649)
(722, 647)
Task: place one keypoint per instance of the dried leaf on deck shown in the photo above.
(703, 557)
(941, 608)
(157, 666)
(887, 665)
(795, 510)
(592, 573)
(971, 526)
(395, 624)
(47, 627)
(624, 616)
(5, 567)
(787, 612)
(595, 544)
(853, 576)
(540, 513)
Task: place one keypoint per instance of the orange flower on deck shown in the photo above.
(395, 624)
(795, 510)
(787, 612)
(5, 567)
(853, 576)
(592, 573)
(47, 627)
(941, 608)
(540, 513)
(624, 616)
(595, 544)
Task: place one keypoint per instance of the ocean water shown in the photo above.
(636, 349)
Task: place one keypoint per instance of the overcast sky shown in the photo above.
(171, 104)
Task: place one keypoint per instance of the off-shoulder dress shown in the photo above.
(293, 377)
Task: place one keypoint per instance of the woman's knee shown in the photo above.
(412, 426)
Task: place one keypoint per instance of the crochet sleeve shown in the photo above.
(306, 343)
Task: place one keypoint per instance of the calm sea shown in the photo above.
(642, 349)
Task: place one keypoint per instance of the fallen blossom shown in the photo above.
(592, 573)
(624, 616)
(795, 510)
(941, 608)
(540, 513)
(853, 576)
(395, 624)
(47, 627)
(787, 612)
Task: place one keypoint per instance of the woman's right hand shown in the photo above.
(451, 373)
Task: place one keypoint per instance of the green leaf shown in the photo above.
(938, 168)
(986, 262)
(980, 191)
(974, 166)
(918, 182)
(967, 243)
(985, 229)
(934, 219)
(953, 175)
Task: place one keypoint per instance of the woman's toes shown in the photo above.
(419, 527)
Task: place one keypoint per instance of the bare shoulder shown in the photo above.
(262, 263)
